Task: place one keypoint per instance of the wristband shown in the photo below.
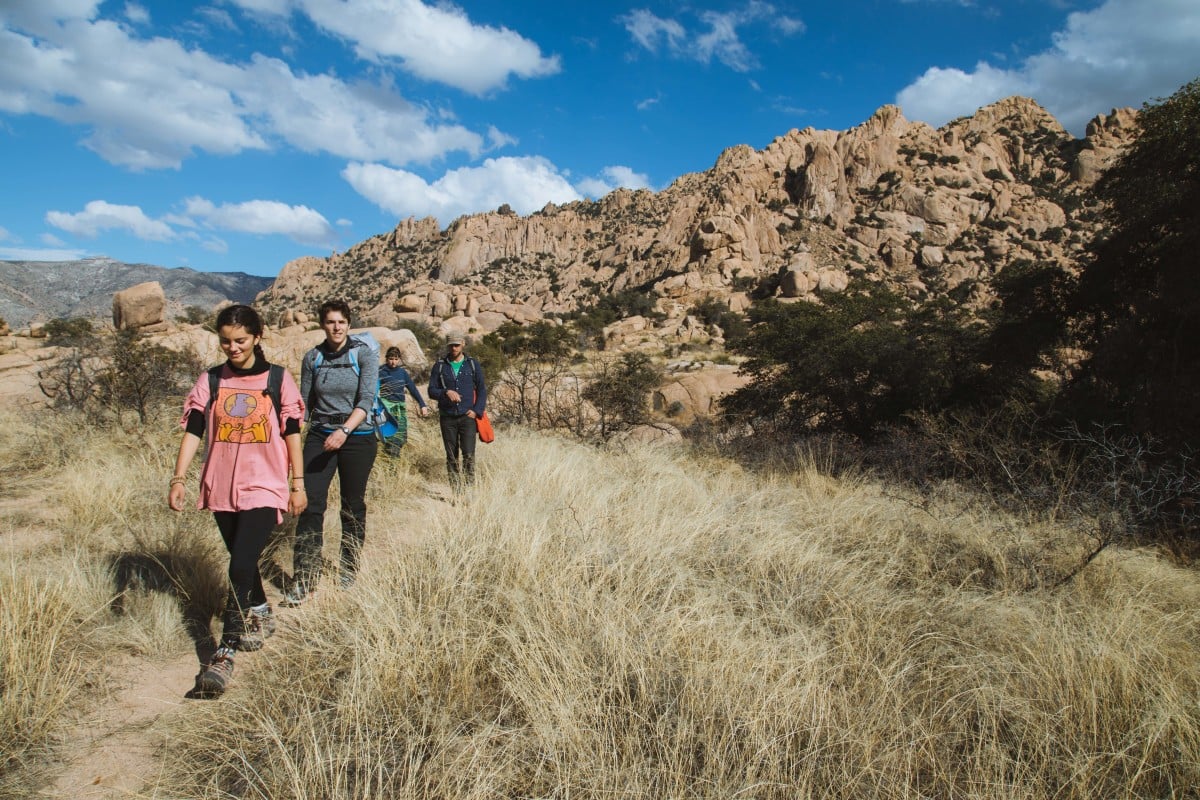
(178, 480)
(344, 430)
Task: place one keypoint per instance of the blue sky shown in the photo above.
(236, 135)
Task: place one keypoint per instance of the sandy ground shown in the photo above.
(115, 749)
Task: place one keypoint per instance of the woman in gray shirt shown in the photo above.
(338, 379)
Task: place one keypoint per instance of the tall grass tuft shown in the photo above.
(42, 674)
(637, 624)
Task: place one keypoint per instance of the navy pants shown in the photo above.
(459, 434)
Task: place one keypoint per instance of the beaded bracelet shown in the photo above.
(178, 480)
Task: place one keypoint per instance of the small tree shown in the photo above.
(1138, 301)
(620, 391)
(140, 374)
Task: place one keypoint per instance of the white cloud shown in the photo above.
(51, 240)
(1120, 54)
(99, 216)
(264, 217)
(498, 138)
(649, 102)
(613, 177)
(215, 245)
(650, 31)
(40, 254)
(321, 113)
(159, 102)
(4, 234)
(720, 39)
(136, 14)
(526, 184)
(434, 42)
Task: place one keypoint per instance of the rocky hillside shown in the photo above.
(928, 211)
(40, 290)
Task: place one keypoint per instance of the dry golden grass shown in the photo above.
(637, 624)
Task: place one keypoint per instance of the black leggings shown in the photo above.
(352, 462)
(245, 534)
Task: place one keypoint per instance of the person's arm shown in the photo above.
(297, 497)
(477, 408)
(413, 390)
(368, 384)
(306, 382)
(187, 451)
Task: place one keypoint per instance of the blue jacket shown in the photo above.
(394, 382)
(468, 383)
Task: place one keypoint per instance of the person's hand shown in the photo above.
(175, 496)
(334, 441)
(424, 412)
(297, 502)
(471, 414)
(453, 396)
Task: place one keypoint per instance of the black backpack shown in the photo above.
(274, 389)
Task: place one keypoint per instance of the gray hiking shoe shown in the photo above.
(260, 625)
(216, 676)
(298, 595)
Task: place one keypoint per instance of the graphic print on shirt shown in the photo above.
(242, 417)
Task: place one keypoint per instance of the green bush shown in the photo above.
(540, 339)
(863, 360)
(195, 315)
(69, 331)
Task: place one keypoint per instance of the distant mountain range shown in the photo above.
(41, 290)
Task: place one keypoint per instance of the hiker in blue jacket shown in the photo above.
(457, 385)
(394, 381)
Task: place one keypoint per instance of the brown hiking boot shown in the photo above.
(216, 676)
(259, 626)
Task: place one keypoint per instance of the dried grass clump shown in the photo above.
(633, 624)
(43, 672)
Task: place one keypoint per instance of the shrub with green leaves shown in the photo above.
(860, 361)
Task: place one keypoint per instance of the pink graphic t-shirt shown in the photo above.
(247, 462)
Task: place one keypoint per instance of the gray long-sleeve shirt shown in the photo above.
(333, 390)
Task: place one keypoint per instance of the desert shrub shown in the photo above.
(195, 315)
(69, 332)
(712, 311)
(140, 374)
(1138, 303)
(590, 321)
(620, 390)
(119, 373)
(540, 339)
(861, 361)
(429, 339)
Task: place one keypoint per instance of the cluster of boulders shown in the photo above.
(921, 209)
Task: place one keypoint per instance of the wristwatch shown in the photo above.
(344, 430)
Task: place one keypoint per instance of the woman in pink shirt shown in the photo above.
(251, 412)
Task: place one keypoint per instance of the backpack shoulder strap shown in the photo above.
(275, 392)
(214, 383)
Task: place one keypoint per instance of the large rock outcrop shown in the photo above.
(924, 210)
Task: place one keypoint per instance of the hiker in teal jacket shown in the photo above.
(458, 386)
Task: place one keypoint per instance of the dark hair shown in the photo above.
(243, 317)
(334, 305)
(393, 351)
